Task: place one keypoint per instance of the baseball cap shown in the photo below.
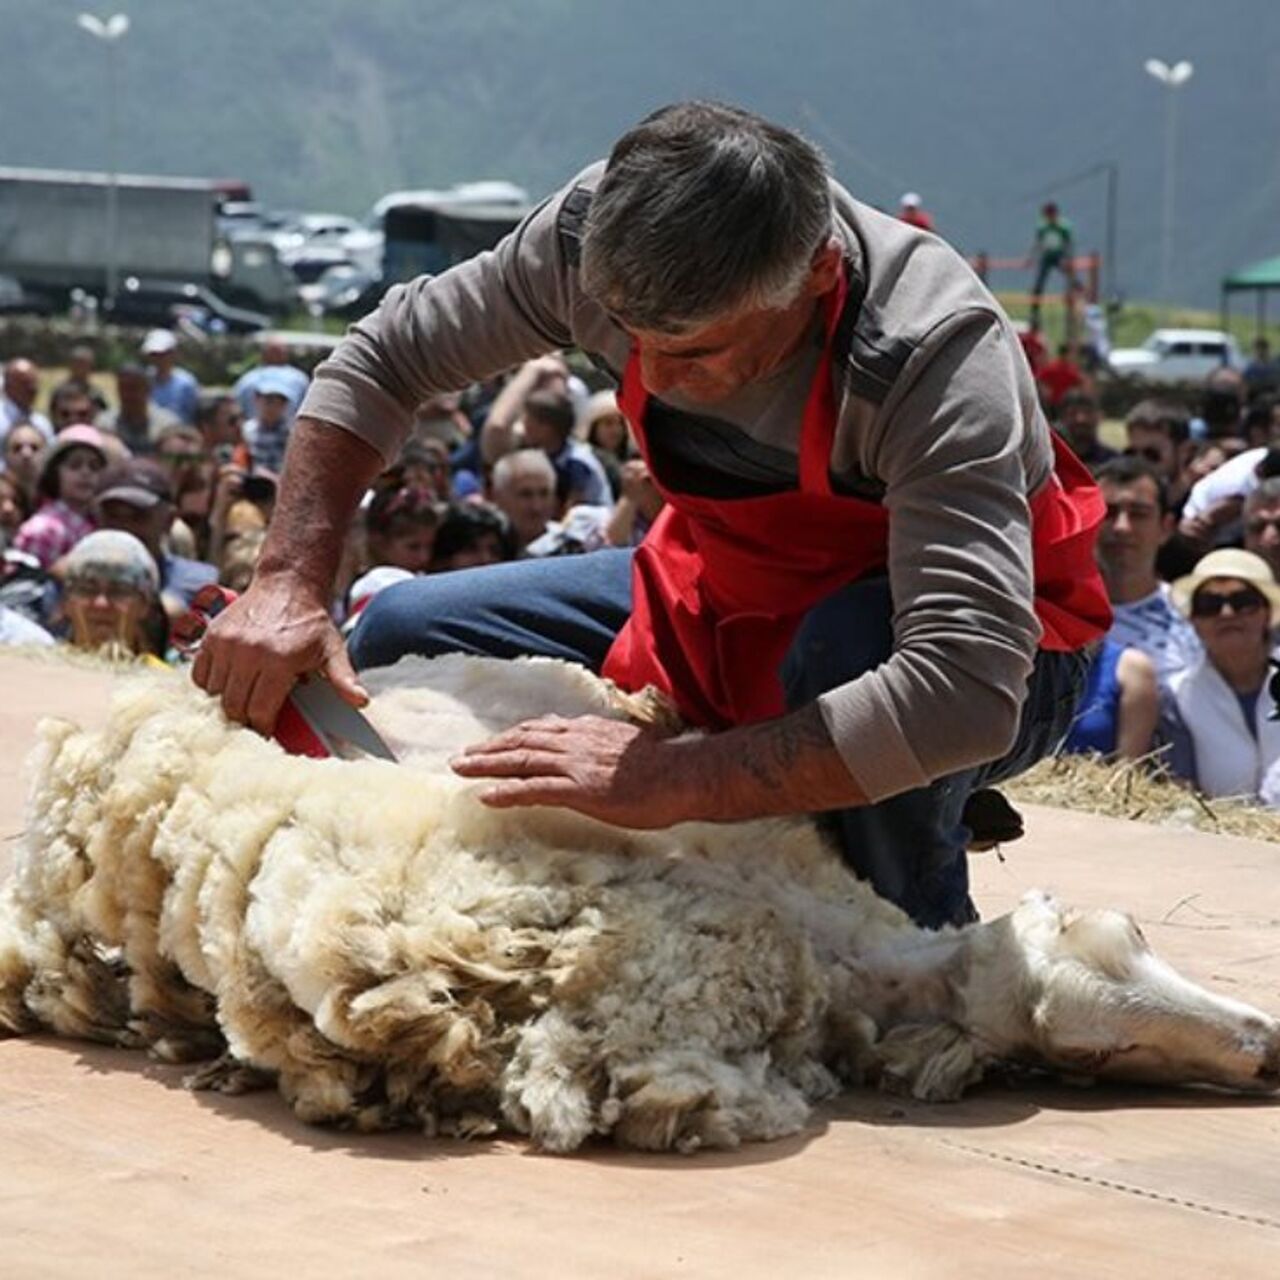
(79, 436)
(158, 341)
(140, 482)
(274, 382)
(911, 200)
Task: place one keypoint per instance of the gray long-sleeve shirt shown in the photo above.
(938, 412)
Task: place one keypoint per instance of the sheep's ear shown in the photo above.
(935, 1061)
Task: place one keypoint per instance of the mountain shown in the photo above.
(983, 106)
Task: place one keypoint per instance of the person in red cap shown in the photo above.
(873, 574)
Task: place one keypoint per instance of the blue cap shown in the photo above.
(274, 382)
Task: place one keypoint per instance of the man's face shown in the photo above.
(21, 382)
(226, 424)
(133, 391)
(1134, 527)
(1262, 533)
(541, 435)
(72, 408)
(1154, 444)
(270, 410)
(529, 501)
(1080, 424)
(147, 524)
(711, 363)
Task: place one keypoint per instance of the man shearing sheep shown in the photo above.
(873, 577)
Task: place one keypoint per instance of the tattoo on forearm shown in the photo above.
(790, 765)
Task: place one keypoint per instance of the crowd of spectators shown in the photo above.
(124, 491)
(116, 509)
(1190, 553)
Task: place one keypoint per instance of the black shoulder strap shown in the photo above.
(872, 359)
(571, 222)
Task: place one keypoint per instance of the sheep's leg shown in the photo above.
(227, 1074)
(267, 1032)
(685, 1101)
(85, 997)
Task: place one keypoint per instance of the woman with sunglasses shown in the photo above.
(1222, 719)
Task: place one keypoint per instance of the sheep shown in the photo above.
(389, 951)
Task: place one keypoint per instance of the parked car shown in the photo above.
(176, 303)
(1177, 355)
(15, 300)
(345, 291)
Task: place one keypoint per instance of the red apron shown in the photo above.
(720, 586)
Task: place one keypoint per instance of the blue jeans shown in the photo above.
(911, 847)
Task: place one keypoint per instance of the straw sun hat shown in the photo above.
(1230, 562)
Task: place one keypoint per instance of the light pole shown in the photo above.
(110, 32)
(1173, 78)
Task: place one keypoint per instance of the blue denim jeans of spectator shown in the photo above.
(911, 847)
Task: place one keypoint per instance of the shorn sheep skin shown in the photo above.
(391, 952)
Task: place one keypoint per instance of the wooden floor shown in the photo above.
(109, 1168)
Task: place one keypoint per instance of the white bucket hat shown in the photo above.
(1229, 562)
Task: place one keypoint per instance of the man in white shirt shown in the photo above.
(1137, 522)
(17, 404)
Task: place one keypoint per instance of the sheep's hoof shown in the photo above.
(227, 1075)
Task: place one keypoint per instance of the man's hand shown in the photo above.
(634, 777)
(254, 652)
(1202, 527)
(607, 769)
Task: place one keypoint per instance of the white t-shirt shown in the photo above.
(1153, 625)
(16, 629)
(1236, 478)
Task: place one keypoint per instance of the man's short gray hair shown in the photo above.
(703, 210)
(1267, 494)
(523, 462)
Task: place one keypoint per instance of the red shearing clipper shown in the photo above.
(314, 721)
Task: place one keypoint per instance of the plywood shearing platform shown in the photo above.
(109, 1168)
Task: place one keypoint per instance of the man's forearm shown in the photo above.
(788, 765)
(326, 473)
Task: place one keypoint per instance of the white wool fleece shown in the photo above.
(394, 951)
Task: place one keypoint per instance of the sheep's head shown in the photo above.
(1105, 1005)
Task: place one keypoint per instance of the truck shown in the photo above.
(54, 236)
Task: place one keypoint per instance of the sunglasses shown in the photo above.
(1148, 453)
(1209, 604)
(1260, 524)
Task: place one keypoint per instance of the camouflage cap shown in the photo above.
(114, 556)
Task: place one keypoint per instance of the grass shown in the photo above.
(1133, 322)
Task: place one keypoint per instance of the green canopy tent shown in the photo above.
(1257, 279)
